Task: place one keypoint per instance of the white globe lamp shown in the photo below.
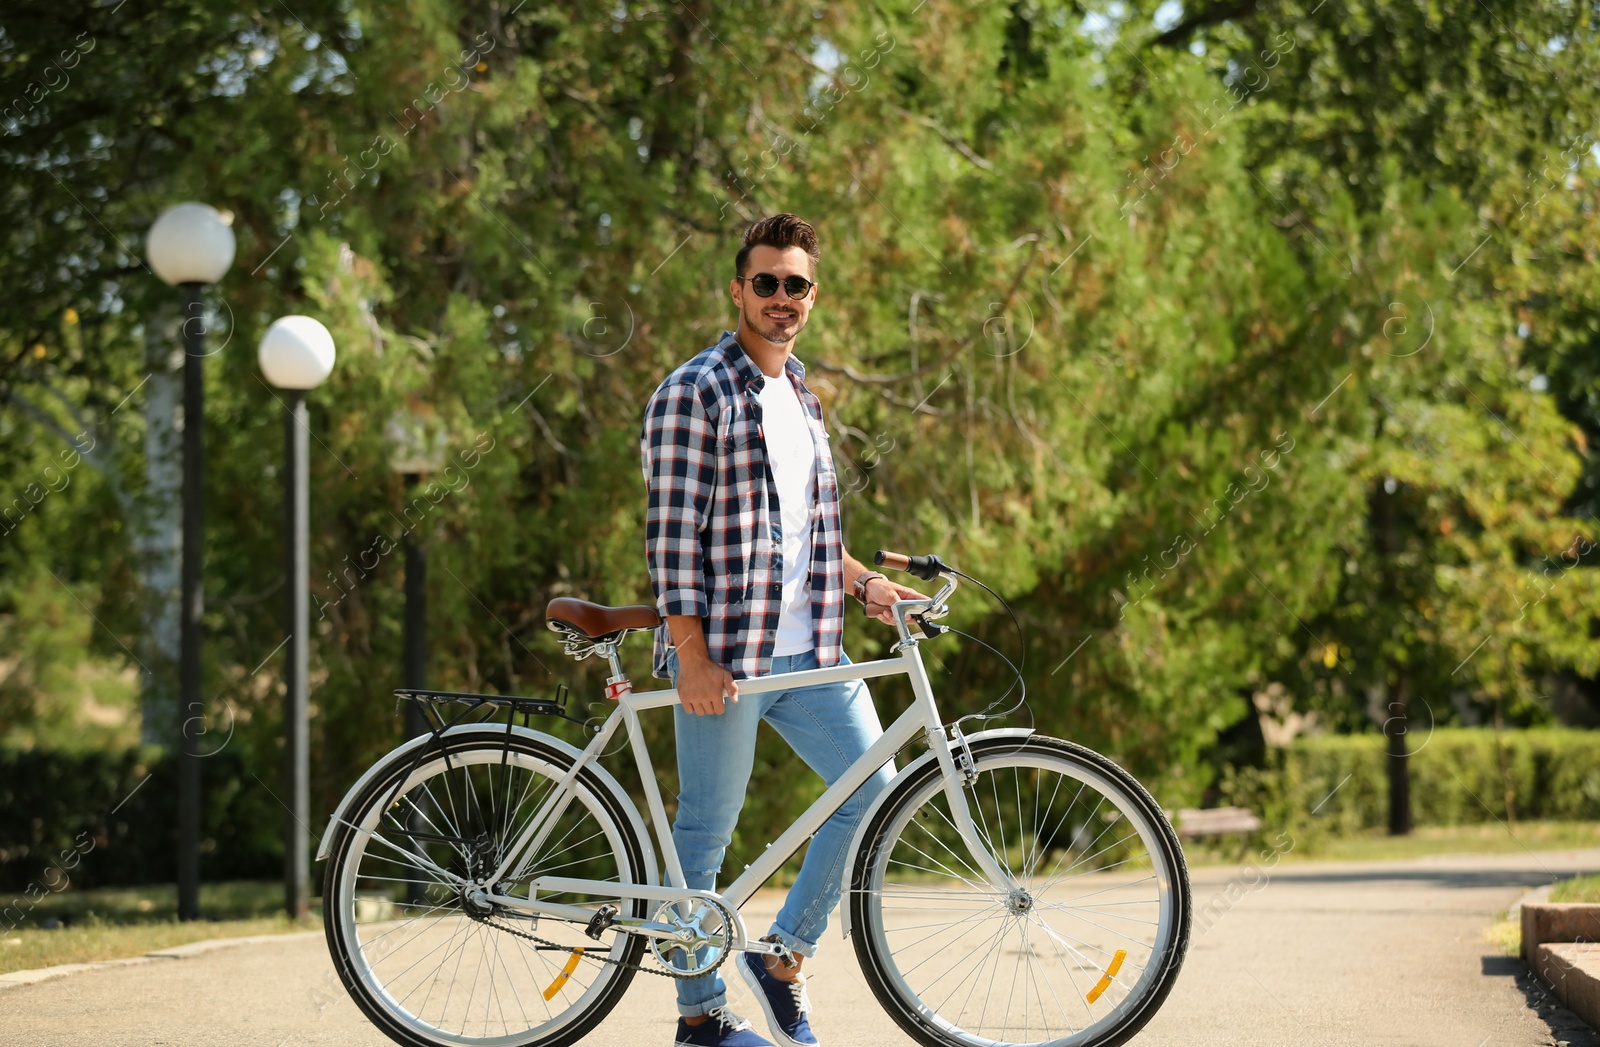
(296, 353)
(191, 244)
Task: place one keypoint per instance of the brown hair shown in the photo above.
(779, 230)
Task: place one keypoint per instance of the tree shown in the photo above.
(1129, 332)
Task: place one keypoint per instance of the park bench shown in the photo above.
(1196, 824)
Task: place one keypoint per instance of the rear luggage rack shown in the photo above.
(476, 709)
(481, 708)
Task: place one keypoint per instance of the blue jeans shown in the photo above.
(829, 726)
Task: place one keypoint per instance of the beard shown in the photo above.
(779, 334)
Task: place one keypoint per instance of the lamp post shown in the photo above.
(296, 355)
(417, 448)
(189, 246)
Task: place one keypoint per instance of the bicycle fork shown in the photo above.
(955, 759)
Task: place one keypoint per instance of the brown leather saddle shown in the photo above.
(569, 615)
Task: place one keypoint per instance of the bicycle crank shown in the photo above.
(681, 954)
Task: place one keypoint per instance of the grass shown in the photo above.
(1506, 935)
(1579, 889)
(118, 922)
(1377, 845)
(1490, 838)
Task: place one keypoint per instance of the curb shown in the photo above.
(16, 979)
(1537, 896)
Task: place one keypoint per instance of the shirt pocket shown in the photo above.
(739, 438)
(741, 466)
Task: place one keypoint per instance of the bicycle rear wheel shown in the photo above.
(429, 966)
(1082, 953)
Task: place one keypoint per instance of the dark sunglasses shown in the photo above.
(766, 285)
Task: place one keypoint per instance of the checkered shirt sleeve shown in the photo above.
(680, 468)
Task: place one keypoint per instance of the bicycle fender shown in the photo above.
(911, 768)
(571, 751)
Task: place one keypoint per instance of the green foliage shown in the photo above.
(108, 816)
(1582, 890)
(57, 689)
(1337, 785)
(1140, 337)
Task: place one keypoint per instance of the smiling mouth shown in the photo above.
(781, 314)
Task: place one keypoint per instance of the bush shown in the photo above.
(1459, 776)
(86, 816)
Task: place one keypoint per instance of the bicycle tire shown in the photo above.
(377, 968)
(962, 907)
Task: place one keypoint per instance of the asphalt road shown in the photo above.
(1357, 954)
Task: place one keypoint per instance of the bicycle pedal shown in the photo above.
(603, 918)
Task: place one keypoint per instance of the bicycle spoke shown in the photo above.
(457, 968)
(943, 929)
(1043, 851)
(1091, 920)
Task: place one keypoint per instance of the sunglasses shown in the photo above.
(766, 285)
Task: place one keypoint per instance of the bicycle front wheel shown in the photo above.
(1080, 953)
(429, 963)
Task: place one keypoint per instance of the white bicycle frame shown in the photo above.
(922, 717)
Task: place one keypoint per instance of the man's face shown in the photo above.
(779, 318)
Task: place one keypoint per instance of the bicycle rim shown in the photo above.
(424, 966)
(1082, 955)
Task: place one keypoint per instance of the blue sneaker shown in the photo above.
(725, 1029)
(785, 1003)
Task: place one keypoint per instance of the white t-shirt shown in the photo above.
(793, 459)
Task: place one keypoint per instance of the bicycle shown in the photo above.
(483, 869)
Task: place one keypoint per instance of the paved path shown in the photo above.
(1357, 954)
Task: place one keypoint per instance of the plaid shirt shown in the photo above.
(713, 532)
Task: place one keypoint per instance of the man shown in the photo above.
(750, 575)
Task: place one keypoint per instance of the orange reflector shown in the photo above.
(1100, 986)
(566, 972)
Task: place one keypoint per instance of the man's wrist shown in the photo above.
(693, 660)
(861, 584)
(692, 651)
(688, 638)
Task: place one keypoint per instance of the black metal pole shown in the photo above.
(415, 668)
(1394, 728)
(415, 662)
(297, 603)
(191, 709)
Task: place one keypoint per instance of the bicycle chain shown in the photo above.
(490, 921)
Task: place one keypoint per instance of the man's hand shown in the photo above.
(702, 684)
(881, 595)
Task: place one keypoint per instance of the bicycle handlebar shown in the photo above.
(924, 611)
(926, 567)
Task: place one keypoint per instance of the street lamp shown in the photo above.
(189, 246)
(416, 448)
(296, 355)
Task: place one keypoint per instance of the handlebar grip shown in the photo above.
(925, 567)
(893, 561)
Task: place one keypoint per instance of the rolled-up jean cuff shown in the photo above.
(694, 1010)
(796, 944)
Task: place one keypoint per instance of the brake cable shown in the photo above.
(985, 713)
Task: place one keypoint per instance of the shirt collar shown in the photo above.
(750, 373)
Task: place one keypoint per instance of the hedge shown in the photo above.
(1459, 776)
(87, 817)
